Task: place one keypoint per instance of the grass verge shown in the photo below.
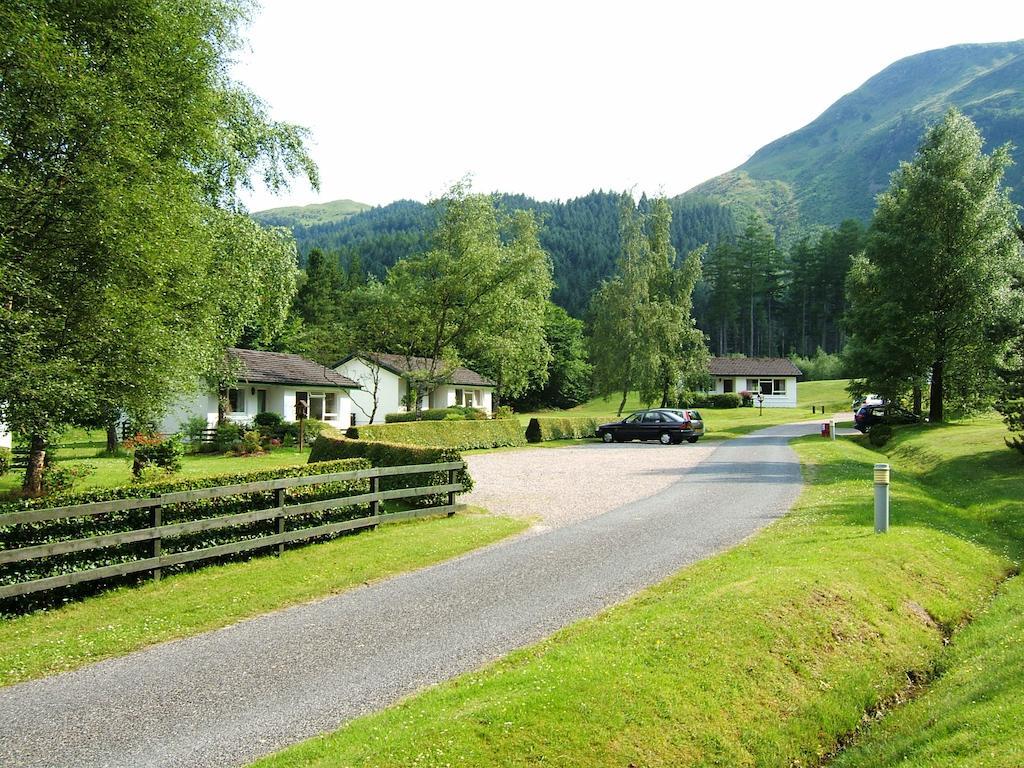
(124, 620)
(765, 655)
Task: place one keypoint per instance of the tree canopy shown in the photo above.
(933, 298)
(126, 262)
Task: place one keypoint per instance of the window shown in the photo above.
(458, 397)
(780, 386)
(236, 400)
(316, 406)
(261, 401)
(331, 406)
(728, 385)
(633, 418)
(652, 417)
(469, 399)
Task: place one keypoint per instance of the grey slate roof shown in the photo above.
(399, 364)
(281, 368)
(753, 366)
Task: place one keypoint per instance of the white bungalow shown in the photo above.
(271, 382)
(382, 378)
(5, 436)
(772, 377)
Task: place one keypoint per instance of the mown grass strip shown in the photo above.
(124, 620)
(765, 655)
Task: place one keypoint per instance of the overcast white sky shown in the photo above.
(553, 99)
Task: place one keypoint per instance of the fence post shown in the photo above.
(279, 495)
(375, 504)
(156, 519)
(451, 494)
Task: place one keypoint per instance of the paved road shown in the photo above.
(229, 696)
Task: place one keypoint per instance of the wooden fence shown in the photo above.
(156, 532)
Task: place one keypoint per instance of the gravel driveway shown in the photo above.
(226, 697)
(559, 486)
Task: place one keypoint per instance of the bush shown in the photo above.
(330, 447)
(1012, 412)
(227, 437)
(560, 428)
(712, 400)
(725, 400)
(463, 435)
(747, 399)
(452, 413)
(60, 478)
(821, 367)
(165, 454)
(504, 412)
(192, 430)
(879, 435)
(32, 534)
(251, 443)
(268, 421)
(6, 460)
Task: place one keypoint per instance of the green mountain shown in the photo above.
(310, 215)
(832, 168)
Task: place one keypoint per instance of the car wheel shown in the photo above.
(608, 437)
(665, 438)
(692, 439)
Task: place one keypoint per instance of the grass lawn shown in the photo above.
(130, 618)
(80, 448)
(766, 655)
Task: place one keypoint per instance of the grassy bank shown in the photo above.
(127, 619)
(765, 655)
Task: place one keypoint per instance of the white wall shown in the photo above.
(741, 383)
(5, 436)
(389, 390)
(444, 396)
(280, 400)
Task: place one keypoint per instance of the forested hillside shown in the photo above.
(832, 168)
(581, 235)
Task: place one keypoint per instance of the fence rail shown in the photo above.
(280, 512)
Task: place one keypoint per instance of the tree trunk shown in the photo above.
(112, 440)
(937, 392)
(625, 394)
(222, 396)
(917, 399)
(33, 483)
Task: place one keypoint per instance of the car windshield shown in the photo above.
(632, 418)
(695, 415)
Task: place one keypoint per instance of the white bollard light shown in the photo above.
(832, 431)
(881, 498)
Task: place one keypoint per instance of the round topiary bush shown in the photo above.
(879, 435)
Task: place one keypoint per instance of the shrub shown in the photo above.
(1012, 412)
(250, 443)
(452, 413)
(747, 399)
(330, 447)
(726, 400)
(192, 430)
(312, 428)
(165, 454)
(463, 435)
(227, 436)
(560, 428)
(822, 366)
(879, 435)
(6, 459)
(504, 412)
(32, 534)
(268, 421)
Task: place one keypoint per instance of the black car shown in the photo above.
(664, 425)
(868, 415)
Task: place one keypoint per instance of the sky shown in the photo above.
(553, 99)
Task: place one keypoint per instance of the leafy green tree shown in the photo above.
(477, 294)
(933, 297)
(568, 375)
(644, 336)
(126, 263)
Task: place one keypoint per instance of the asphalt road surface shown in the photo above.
(229, 696)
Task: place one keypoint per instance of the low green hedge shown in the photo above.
(452, 413)
(462, 435)
(561, 428)
(711, 400)
(32, 534)
(329, 447)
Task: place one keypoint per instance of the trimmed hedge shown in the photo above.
(561, 428)
(461, 435)
(711, 400)
(31, 534)
(330, 447)
(452, 413)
